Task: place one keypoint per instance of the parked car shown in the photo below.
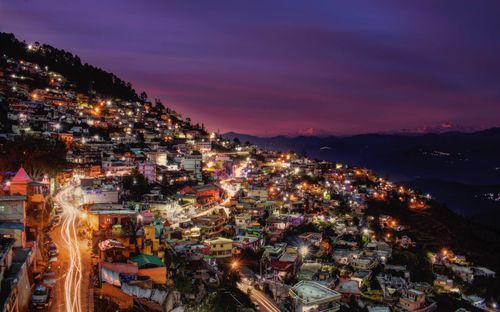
(49, 279)
(56, 220)
(47, 238)
(50, 245)
(53, 252)
(41, 299)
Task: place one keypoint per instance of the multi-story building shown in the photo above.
(220, 247)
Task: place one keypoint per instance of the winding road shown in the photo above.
(73, 294)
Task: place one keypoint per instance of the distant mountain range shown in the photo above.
(455, 167)
(453, 156)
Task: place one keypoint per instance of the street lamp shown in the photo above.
(304, 251)
(235, 265)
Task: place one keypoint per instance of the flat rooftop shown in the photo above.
(312, 293)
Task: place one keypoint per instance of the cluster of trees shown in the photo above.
(85, 77)
(36, 155)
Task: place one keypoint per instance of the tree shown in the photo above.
(36, 155)
(136, 184)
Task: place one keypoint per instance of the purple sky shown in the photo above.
(282, 67)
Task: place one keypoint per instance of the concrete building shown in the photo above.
(104, 194)
(193, 164)
(308, 296)
(220, 247)
(13, 218)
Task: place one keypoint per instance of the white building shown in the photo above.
(158, 157)
(148, 170)
(192, 163)
(99, 195)
(308, 296)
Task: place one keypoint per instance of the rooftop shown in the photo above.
(21, 177)
(312, 293)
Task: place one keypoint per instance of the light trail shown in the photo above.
(74, 276)
(265, 303)
(226, 185)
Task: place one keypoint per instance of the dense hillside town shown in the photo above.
(111, 201)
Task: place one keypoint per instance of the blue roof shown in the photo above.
(12, 226)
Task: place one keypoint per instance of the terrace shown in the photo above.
(314, 297)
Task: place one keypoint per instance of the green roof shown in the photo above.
(144, 260)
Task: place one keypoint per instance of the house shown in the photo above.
(260, 193)
(443, 281)
(192, 163)
(364, 263)
(104, 215)
(148, 170)
(288, 262)
(20, 183)
(414, 300)
(205, 194)
(99, 195)
(15, 288)
(243, 220)
(362, 277)
(210, 225)
(345, 256)
(312, 296)
(349, 290)
(464, 273)
(276, 227)
(13, 218)
(309, 271)
(220, 247)
(248, 242)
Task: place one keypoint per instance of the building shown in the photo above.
(148, 170)
(220, 247)
(101, 195)
(258, 192)
(308, 296)
(414, 300)
(193, 164)
(20, 183)
(15, 289)
(158, 157)
(13, 218)
(205, 194)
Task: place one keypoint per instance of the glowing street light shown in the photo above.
(235, 265)
(304, 251)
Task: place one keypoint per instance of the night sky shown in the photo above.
(287, 67)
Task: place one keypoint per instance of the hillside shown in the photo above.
(84, 77)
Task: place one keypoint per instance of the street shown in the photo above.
(265, 304)
(71, 292)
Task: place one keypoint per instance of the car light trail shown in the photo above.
(73, 279)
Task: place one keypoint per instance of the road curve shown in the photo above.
(74, 273)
